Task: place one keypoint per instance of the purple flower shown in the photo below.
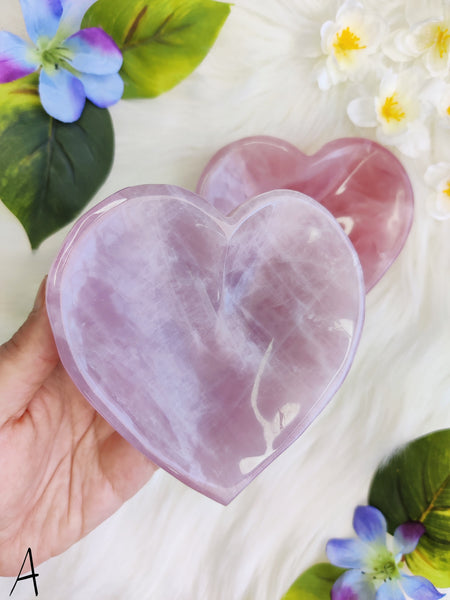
(373, 569)
(74, 65)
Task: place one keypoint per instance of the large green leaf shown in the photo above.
(414, 485)
(315, 583)
(49, 170)
(162, 41)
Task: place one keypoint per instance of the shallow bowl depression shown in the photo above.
(209, 342)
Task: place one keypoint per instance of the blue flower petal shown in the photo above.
(41, 17)
(102, 90)
(62, 95)
(73, 13)
(419, 588)
(94, 51)
(15, 58)
(370, 524)
(407, 536)
(349, 554)
(390, 590)
(353, 585)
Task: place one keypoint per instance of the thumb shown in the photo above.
(26, 360)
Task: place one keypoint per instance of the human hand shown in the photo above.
(63, 468)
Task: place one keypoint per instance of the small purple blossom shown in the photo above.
(374, 572)
(73, 65)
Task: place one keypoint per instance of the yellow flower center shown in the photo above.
(442, 41)
(392, 111)
(346, 41)
(447, 190)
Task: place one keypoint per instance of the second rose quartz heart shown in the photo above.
(361, 183)
(209, 342)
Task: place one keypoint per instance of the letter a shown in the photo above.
(33, 574)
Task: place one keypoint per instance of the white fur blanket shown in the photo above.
(169, 542)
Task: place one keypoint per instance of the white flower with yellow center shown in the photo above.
(431, 41)
(438, 177)
(437, 93)
(348, 43)
(443, 105)
(397, 111)
(428, 38)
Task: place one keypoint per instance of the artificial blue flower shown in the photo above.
(74, 65)
(374, 572)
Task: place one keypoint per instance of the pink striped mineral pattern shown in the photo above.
(360, 182)
(209, 342)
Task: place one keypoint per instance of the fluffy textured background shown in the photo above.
(168, 542)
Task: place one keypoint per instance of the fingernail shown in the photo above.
(40, 296)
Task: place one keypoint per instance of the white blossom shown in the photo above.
(427, 39)
(438, 178)
(437, 93)
(348, 44)
(397, 111)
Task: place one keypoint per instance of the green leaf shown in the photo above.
(315, 583)
(49, 170)
(161, 42)
(415, 486)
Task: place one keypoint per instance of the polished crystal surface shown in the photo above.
(209, 342)
(360, 182)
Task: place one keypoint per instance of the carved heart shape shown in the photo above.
(209, 342)
(361, 183)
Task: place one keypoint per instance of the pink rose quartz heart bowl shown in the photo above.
(209, 342)
(361, 183)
